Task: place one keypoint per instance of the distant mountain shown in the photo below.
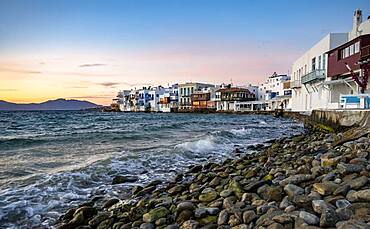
(58, 104)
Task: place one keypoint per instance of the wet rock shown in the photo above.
(95, 221)
(319, 205)
(325, 188)
(208, 195)
(147, 226)
(124, 179)
(363, 195)
(296, 179)
(328, 218)
(176, 189)
(110, 203)
(185, 206)
(249, 216)
(208, 220)
(145, 191)
(283, 218)
(309, 218)
(155, 214)
(184, 216)
(343, 203)
(223, 217)
(349, 168)
(352, 224)
(293, 190)
(105, 224)
(236, 188)
(275, 226)
(342, 190)
(253, 186)
(226, 193)
(358, 182)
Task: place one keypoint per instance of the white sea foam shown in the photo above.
(199, 146)
(240, 132)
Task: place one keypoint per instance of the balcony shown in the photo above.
(315, 75)
(295, 84)
(365, 53)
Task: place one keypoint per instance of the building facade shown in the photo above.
(226, 98)
(185, 92)
(314, 86)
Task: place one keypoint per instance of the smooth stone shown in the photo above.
(349, 168)
(309, 218)
(342, 190)
(155, 214)
(325, 188)
(328, 218)
(249, 216)
(185, 206)
(190, 224)
(293, 190)
(223, 217)
(343, 203)
(124, 179)
(208, 195)
(147, 226)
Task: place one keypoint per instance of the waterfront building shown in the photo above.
(154, 98)
(204, 99)
(312, 84)
(123, 100)
(348, 72)
(168, 101)
(227, 97)
(185, 92)
(275, 93)
(143, 99)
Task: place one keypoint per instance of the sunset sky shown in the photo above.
(89, 50)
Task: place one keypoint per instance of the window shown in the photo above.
(319, 62)
(313, 65)
(357, 47)
(323, 61)
(305, 69)
(346, 52)
(351, 50)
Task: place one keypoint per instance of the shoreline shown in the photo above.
(314, 179)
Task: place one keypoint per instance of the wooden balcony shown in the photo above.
(365, 53)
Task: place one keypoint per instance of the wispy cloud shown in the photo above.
(90, 97)
(109, 84)
(8, 89)
(91, 65)
(24, 71)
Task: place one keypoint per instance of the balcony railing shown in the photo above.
(315, 75)
(365, 52)
(296, 84)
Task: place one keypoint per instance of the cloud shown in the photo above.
(25, 71)
(91, 65)
(90, 97)
(109, 84)
(8, 89)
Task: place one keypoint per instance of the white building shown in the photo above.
(168, 101)
(185, 92)
(275, 92)
(123, 100)
(154, 98)
(312, 89)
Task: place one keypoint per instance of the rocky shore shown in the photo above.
(316, 180)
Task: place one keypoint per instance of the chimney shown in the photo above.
(357, 19)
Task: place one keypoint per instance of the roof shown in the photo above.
(234, 89)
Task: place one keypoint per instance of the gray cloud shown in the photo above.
(109, 84)
(91, 65)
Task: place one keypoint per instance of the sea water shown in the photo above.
(53, 160)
